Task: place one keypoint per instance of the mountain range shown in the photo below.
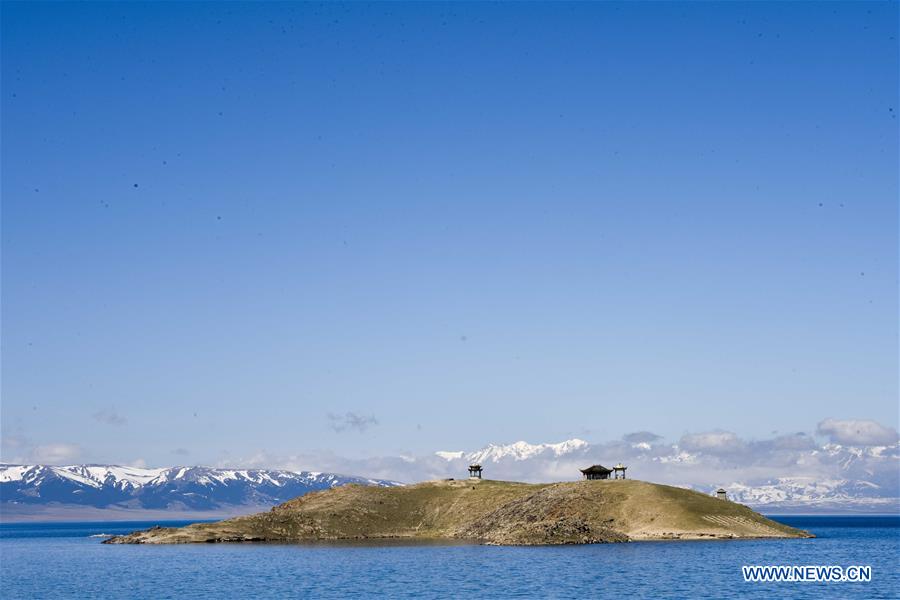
(173, 489)
(790, 473)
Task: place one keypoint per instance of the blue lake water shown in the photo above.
(54, 560)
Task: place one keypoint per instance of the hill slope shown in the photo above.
(493, 512)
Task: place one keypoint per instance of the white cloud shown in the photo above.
(19, 449)
(857, 432)
(713, 442)
(351, 420)
(645, 438)
(109, 416)
(447, 455)
(16, 443)
(54, 454)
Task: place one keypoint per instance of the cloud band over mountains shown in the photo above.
(858, 453)
(843, 462)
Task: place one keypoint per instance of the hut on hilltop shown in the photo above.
(596, 472)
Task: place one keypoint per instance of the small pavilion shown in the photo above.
(474, 471)
(721, 494)
(596, 472)
(619, 471)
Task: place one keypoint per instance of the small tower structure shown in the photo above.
(619, 471)
(475, 471)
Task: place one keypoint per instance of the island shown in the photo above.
(488, 512)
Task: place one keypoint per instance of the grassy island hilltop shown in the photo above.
(491, 512)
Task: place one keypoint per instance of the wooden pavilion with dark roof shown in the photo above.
(596, 472)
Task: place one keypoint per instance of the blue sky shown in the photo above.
(227, 227)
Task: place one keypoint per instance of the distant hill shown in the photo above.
(493, 512)
(42, 489)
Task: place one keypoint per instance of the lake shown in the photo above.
(62, 560)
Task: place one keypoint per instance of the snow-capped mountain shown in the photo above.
(809, 493)
(787, 474)
(516, 451)
(174, 488)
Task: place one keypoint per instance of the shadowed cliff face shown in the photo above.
(491, 512)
